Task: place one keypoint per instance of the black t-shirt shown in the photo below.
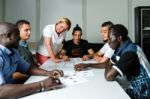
(74, 50)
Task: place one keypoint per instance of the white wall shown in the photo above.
(87, 13)
(22, 9)
(99, 11)
(1, 10)
(52, 10)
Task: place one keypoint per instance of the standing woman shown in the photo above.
(52, 38)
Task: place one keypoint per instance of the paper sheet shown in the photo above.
(72, 77)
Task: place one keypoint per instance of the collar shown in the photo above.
(5, 50)
(123, 46)
(23, 43)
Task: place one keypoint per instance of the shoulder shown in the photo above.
(131, 48)
(83, 41)
(49, 28)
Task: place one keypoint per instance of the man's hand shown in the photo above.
(79, 67)
(85, 58)
(51, 83)
(97, 58)
(56, 73)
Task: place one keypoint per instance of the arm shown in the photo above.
(110, 73)
(81, 66)
(62, 55)
(47, 42)
(89, 56)
(34, 70)
(8, 91)
(98, 56)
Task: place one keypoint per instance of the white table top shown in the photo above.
(96, 86)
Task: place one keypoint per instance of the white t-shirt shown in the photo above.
(107, 51)
(49, 31)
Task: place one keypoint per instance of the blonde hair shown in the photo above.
(66, 20)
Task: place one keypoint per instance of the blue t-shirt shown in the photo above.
(10, 61)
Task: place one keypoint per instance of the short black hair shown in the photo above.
(9, 28)
(107, 23)
(77, 28)
(120, 30)
(21, 22)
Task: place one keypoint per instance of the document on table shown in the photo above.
(73, 78)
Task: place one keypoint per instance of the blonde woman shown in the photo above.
(52, 38)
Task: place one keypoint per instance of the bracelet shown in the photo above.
(42, 86)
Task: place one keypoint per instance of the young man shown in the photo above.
(10, 61)
(128, 60)
(77, 47)
(25, 32)
(105, 53)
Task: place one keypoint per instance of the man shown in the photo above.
(25, 32)
(128, 60)
(77, 47)
(10, 61)
(105, 53)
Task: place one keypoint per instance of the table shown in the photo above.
(96, 87)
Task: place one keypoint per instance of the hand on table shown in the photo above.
(85, 58)
(97, 58)
(51, 83)
(56, 73)
(79, 67)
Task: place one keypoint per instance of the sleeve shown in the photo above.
(1, 75)
(103, 49)
(87, 45)
(109, 52)
(47, 31)
(65, 45)
(23, 66)
(128, 64)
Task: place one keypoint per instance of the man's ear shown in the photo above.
(119, 38)
(8, 35)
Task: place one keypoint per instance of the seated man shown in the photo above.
(77, 47)
(25, 32)
(105, 53)
(128, 60)
(10, 61)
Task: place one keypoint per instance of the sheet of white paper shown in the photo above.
(73, 80)
(72, 77)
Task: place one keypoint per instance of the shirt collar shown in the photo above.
(122, 47)
(23, 43)
(5, 50)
